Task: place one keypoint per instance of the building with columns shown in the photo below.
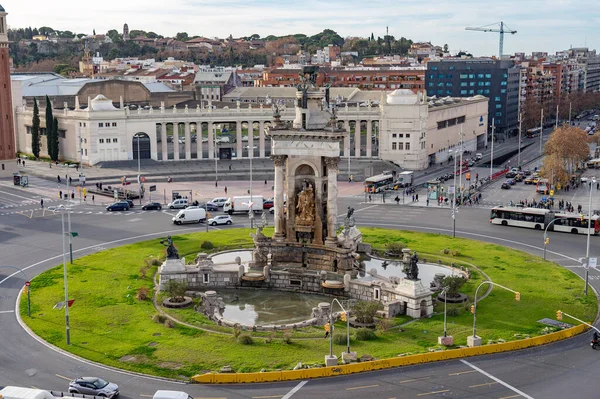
(377, 122)
(7, 131)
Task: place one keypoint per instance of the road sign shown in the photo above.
(153, 188)
(593, 262)
(27, 283)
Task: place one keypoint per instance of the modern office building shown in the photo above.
(496, 79)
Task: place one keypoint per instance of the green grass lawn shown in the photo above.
(110, 325)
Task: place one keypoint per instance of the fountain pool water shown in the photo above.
(427, 271)
(229, 257)
(262, 307)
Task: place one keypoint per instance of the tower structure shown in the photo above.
(7, 130)
(125, 32)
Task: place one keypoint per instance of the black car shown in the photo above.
(151, 206)
(118, 206)
(505, 186)
(510, 175)
(128, 202)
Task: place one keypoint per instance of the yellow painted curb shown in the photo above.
(303, 374)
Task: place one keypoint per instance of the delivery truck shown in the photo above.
(243, 204)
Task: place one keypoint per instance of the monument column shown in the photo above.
(163, 139)
(188, 141)
(175, 141)
(332, 193)
(279, 161)
(261, 139)
(238, 139)
(369, 138)
(211, 141)
(250, 139)
(357, 139)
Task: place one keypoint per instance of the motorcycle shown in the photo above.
(595, 344)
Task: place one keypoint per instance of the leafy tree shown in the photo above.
(46, 30)
(453, 283)
(35, 130)
(182, 36)
(49, 126)
(113, 53)
(566, 149)
(461, 53)
(135, 33)
(63, 69)
(254, 36)
(80, 35)
(114, 35)
(531, 114)
(176, 290)
(365, 311)
(153, 35)
(446, 48)
(55, 140)
(94, 32)
(372, 37)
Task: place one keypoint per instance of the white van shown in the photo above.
(478, 156)
(180, 203)
(24, 393)
(171, 395)
(193, 214)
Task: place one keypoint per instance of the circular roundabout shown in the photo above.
(114, 319)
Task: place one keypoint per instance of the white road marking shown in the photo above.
(497, 379)
(294, 390)
(134, 220)
(7, 311)
(16, 195)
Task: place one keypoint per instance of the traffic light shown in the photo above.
(559, 315)
(327, 328)
(343, 316)
(473, 309)
(517, 296)
(547, 241)
(582, 217)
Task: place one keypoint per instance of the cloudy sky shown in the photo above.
(548, 25)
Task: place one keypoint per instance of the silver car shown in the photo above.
(94, 386)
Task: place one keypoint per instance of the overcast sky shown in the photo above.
(548, 25)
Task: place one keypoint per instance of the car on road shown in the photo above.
(510, 175)
(94, 386)
(268, 204)
(527, 172)
(511, 182)
(128, 201)
(219, 201)
(479, 156)
(221, 219)
(180, 203)
(505, 186)
(152, 206)
(208, 206)
(118, 206)
(471, 163)
(518, 178)
(272, 210)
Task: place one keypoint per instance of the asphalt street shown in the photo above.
(553, 371)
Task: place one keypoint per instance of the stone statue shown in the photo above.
(412, 270)
(349, 221)
(305, 215)
(171, 250)
(263, 220)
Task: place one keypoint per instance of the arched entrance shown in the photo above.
(141, 146)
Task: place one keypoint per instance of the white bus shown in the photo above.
(532, 218)
(378, 183)
(576, 224)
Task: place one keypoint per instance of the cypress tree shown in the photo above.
(49, 127)
(55, 146)
(35, 130)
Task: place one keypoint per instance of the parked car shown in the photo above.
(180, 203)
(128, 201)
(510, 175)
(505, 186)
(118, 206)
(152, 206)
(219, 201)
(272, 210)
(527, 172)
(268, 204)
(221, 219)
(210, 207)
(511, 182)
(94, 386)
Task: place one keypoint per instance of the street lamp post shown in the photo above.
(546, 241)
(69, 223)
(331, 357)
(445, 292)
(556, 126)
(587, 248)
(492, 154)
(138, 174)
(216, 156)
(541, 130)
(520, 126)
(68, 330)
(454, 200)
(569, 113)
(517, 297)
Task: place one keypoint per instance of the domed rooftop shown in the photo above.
(402, 97)
(101, 103)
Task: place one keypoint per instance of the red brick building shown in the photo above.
(7, 130)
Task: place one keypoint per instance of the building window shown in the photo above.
(480, 76)
(449, 76)
(479, 91)
(488, 75)
(498, 113)
(407, 146)
(471, 84)
(433, 68)
(504, 75)
(488, 83)
(451, 68)
(480, 84)
(430, 84)
(503, 83)
(471, 76)
(440, 84)
(296, 283)
(440, 92)
(101, 141)
(441, 125)
(393, 146)
(62, 133)
(471, 91)
(394, 135)
(400, 146)
(114, 124)
(376, 293)
(497, 98)
(407, 135)
(400, 135)
(464, 76)
(503, 91)
(431, 76)
(449, 84)
(80, 124)
(498, 106)
(100, 124)
(115, 140)
(460, 119)
(449, 92)
(441, 76)
(205, 278)
(486, 91)
(85, 151)
(463, 92)
(463, 84)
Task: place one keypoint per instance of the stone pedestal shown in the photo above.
(418, 298)
(350, 238)
(473, 341)
(349, 357)
(446, 341)
(172, 266)
(331, 361)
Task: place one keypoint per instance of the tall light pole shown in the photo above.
(569, 113)
(69, 222)
(587, 248)
(492, 154)
(556, 125)
(541, 130)
(68, 330)
(454, 200)
(520, 127)
(138, 174)
(517, 297)
(461, 164)
(216, 156)
(251, 154)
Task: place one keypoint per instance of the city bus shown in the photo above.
(375, 184)
(576, 224)
(533, 132)
(532, 218)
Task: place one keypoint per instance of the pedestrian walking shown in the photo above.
(413, 198)
(73, 194)
(427, 202)
(58, 178)
(18, 161)
(225, 189)
(42, 203)
(93, 198)
(70, 181)
(417, 197)
(265, 182)
(397, 199)
(60, 194)
(216, 184)
(370, 198)
(230, 167)
(23, 162)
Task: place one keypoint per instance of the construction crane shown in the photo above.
(503, 29)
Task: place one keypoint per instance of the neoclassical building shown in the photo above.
(410, 129)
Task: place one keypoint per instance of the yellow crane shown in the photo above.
(503, 29)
